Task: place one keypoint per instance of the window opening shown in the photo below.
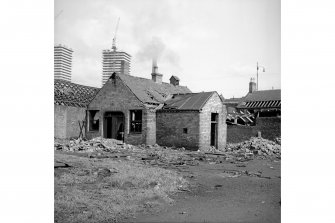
(93, 120)
(136, 121)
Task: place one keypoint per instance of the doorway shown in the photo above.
(114, 125)
(214, 129)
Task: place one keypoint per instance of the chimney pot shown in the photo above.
(155, 76)
(252, 85)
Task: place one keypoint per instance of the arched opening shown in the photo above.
(114, 125)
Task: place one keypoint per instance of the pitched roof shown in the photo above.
(190, 101)
(267, 95)
(262, 99)
(147, 91)
(71, 94)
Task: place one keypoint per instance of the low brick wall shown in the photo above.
(269, 127)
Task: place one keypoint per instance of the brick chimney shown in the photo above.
(155, 76)
(174, 80)
(252, 85)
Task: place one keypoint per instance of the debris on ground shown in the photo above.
(255, 146)
(156, 155)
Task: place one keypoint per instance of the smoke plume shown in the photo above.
(157, 50)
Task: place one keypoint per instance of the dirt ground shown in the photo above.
(226, 192)
(241, 183)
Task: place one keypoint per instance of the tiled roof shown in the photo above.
(262, 99)
(147, 91)
(71, 94)
(190, 101)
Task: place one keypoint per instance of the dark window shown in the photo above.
(136, 121)
(185, 130)
(214, 117)
(93, 120)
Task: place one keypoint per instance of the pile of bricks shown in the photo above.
(256, 146)
(94, 145)
(164, 156)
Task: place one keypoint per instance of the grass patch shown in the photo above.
(94, 190)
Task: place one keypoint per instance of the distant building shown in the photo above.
(62, 62)
(114, 61)
(257, 112)
(266, 103)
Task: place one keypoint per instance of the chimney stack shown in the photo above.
(252, 85)
(156, 77)
(174, 80)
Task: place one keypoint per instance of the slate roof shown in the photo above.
(71, 94)
(190, 101)
(262, 99)
(147, 91)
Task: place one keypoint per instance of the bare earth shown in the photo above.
(225, 193)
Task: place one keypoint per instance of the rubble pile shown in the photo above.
(256, 146)
(167, 156)
(94, 145)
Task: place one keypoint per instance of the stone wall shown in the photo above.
(116, 96)
(270, 128)
(66, 121)
(213, 105)
(170, 129)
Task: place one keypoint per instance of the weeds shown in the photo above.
(105, 190)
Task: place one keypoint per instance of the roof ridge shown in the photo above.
(148, 79)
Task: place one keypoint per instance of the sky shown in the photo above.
(211, 45)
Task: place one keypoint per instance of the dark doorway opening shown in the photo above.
(114, 125)
(214, 129)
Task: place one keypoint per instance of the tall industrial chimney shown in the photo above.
(156, 77)
(252, 85)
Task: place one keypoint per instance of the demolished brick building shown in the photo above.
(148, 111)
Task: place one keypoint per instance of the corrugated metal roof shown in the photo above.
(147, 91)
(190, 101)
(71, 94)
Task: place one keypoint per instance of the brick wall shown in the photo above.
(150, 126)
(74, 114)
(66, 121)
(270, 128)
(59, 121)
(116, 96)
(213, 105)
(170, 125)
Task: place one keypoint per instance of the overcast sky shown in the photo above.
(211, 45)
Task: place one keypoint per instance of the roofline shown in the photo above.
(203, 104)
(75, 83)
(117, 75)
(178, 110)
